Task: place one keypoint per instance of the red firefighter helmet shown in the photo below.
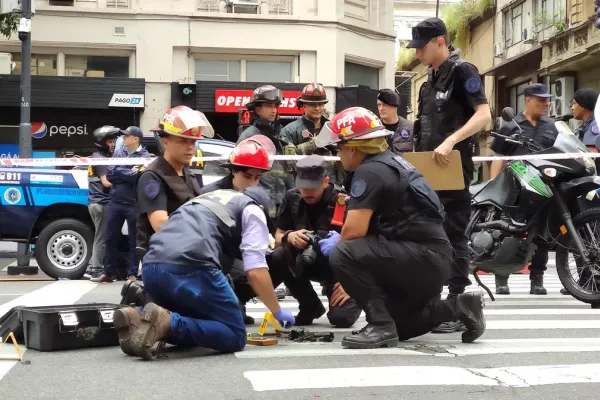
(184, 122)
(312, 94)
(355, 123)
(250, 153)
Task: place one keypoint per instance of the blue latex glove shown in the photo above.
(285, 318)
(327, 244)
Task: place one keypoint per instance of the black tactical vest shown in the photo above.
(440, 115)
(299, 212)
(202, 232)
(419, 215)
(178, 192)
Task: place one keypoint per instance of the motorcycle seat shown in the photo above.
(474, 189)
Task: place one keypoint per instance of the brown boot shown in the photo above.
(154, 327)
(126, 321)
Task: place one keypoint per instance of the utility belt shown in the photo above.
(425, 233)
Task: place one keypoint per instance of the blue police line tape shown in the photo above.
(87, 161)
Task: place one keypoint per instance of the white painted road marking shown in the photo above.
(422, 376)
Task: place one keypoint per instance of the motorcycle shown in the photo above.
(549, 203)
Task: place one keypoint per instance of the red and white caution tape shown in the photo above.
(86, 161)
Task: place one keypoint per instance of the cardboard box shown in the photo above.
(34, 61)
(75, 72)
(46, 71)
(95, 74)
(76, 62)
(45, 66)
(34, 70)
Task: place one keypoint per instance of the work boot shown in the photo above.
(248, 320)
(450, 326)
(154, 327)
(133, 292)
(103, 278)
(469, 309)
(537, 284)
(502, 285)
(280, 292)
(126, 321)
(380, 331)
(565, 292)
(307, 315)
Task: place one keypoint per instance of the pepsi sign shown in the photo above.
(40, 129)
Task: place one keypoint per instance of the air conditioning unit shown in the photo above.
(562, 89)
(529, 35)
(498, 49)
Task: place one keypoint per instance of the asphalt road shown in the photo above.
(535, 347)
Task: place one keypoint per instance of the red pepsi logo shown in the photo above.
(38, 130)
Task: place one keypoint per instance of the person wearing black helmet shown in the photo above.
(99, 195)
(265, 121)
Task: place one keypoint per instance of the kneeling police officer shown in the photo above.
(393, 256)
(194, 305)
(304, 217)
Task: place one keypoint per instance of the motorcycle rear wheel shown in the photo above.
(586, 286)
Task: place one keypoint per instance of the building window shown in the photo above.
(243, 70)
(208, 70)
(259, 71)
(356, 74)
(517, 98)
(513, 25)
(41, 64)
(97, 66)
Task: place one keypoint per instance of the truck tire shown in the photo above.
(63, 248)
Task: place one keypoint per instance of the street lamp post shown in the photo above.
(25, 151)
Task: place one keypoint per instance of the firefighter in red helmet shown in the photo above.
(302, 132)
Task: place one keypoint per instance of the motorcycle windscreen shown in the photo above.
(567, 141)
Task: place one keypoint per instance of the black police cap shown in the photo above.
(310, 172)
(424, 31)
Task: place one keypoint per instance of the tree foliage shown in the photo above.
(9, 24)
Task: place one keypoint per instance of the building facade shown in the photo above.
(126, 61)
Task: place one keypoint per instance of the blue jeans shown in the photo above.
(117, 214)
(204, 310)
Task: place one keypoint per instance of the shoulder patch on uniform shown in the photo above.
(404, 133)
(594, 128)
(403, 163)
(473, 84)
(152, 188)
(359, 186)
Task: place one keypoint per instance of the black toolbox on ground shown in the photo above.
(69, 327)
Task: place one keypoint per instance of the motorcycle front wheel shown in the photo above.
(582, 282)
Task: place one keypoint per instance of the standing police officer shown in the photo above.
(302, 132)
(193, 303)
(99, 195)
(452, 108)
(535, 125)
(583, 105)
(393, 255)
(265, 121)
(306, 210)
(402, 140)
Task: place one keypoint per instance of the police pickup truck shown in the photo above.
(47, 209)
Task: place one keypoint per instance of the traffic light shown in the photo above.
(245, 116)
(597, 10)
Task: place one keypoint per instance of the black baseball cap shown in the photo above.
(310, 172)
(536, 90)
(424, 31)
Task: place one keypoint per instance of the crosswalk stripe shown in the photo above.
(424, 347)
(322, 378)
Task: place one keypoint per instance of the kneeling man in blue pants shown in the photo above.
(194, 304)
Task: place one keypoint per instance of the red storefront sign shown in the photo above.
(230, 101)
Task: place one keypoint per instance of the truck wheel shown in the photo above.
(63, 248)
